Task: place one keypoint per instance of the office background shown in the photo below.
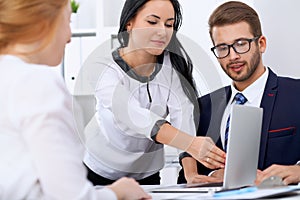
(97, 23)
(279, 22)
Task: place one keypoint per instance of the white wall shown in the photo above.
(279, 22)
(87, 14)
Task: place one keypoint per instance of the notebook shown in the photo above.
(242, 153)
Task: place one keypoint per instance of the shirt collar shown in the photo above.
(254, 90)
(128, 70)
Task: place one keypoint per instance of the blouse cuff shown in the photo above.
(156, 128)
(183, 155)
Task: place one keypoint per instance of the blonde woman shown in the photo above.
(41, 157)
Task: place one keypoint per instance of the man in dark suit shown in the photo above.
(236, 33)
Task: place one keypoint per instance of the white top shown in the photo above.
(41, 156)
(253, 94)
(126, 116)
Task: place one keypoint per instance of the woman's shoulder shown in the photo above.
(19, 69)
(33, 77)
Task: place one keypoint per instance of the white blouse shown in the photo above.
(41, 155)
(128, 107)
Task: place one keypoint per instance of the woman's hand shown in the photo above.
(128, 189)
(206, 152)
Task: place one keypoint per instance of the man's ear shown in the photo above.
(262, 44)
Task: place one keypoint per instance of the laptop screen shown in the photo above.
(242, 153)
(243, 146)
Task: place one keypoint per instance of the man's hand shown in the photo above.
(219, 173)
(289, 174)
(197, 178)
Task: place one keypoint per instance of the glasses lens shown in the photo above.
(241, 46)
(221, 50)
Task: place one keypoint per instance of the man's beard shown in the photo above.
(250, 69)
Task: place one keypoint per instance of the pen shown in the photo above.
(235, 192)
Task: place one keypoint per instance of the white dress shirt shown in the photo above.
(253, 94)
(41, 156)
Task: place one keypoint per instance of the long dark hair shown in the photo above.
(179, 58)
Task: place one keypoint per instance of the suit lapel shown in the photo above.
(219, 102)
(267, 104)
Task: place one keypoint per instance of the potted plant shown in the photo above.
(74, 7)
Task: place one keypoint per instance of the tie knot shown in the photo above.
(240, 98)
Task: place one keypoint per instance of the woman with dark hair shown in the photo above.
(178, 56)
(147, 79)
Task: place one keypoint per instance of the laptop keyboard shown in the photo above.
(213, 184)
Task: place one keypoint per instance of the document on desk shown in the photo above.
(244, 193)
(248, 193)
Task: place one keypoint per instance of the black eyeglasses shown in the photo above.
(240, 46)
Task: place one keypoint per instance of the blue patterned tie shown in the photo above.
(239, 99)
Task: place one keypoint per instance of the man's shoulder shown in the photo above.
(290, 80)
(284, 80)
(285, 86)
(288, 84)
(218, 93)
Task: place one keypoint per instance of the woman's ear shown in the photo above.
(129, 26)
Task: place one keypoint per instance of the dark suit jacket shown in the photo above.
(280, 137)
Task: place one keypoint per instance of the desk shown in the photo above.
(186, 196)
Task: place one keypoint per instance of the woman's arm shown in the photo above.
(201, 148)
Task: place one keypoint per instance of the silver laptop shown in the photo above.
(242, 153)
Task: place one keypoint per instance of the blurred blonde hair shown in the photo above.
(28, 21)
